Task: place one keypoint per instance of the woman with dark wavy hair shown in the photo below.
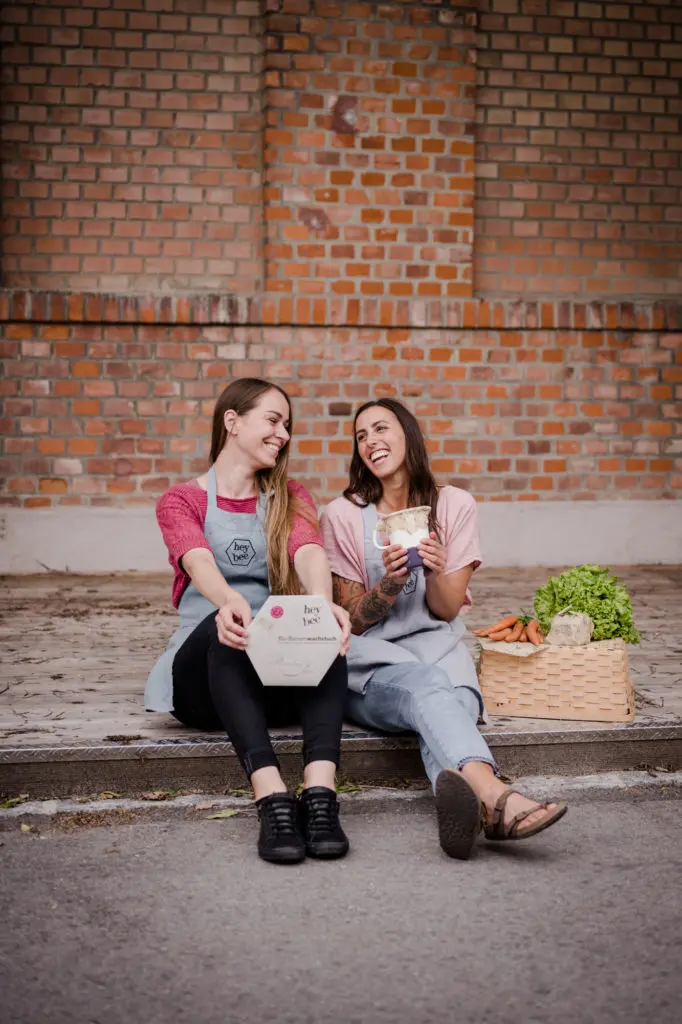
(408, 666)
(235, 535)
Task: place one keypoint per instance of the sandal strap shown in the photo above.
(512, 827)
(495, 827)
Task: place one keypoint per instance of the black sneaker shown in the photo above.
(318, 815)
(280, 839)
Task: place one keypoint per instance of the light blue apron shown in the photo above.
(239, 547)
(409, 631)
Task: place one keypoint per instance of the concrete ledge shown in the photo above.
(546, 533)
(205, 764)
(550, 533)
(607, 786)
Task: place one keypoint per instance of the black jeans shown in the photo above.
(216, 687)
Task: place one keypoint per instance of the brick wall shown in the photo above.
(369, 156)
(579, 148)
(346, 272)
(99, 413)
(132, 145)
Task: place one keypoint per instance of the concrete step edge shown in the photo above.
(205, 746)
(605, 785)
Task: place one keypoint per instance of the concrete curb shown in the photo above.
(209, 765)
(585, 788)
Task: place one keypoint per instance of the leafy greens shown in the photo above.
(589, 589)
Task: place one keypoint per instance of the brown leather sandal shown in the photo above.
(459, 814)
(497, 830)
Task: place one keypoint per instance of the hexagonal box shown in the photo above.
(293, 640)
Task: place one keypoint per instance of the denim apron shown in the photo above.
(239, 547)
(409, 632)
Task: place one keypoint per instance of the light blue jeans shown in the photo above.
(420, 698)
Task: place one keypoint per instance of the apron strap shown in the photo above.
(212, 488)
(370, 518)
(211, 496)
(261, 513)
(262, 507)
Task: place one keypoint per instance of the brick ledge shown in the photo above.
(342, 312)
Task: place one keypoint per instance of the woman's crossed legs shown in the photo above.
(421, 698)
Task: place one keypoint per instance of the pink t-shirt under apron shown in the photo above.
(342, 530)
(181, 512)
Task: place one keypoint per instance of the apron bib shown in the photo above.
(239, 547)
(410, 631)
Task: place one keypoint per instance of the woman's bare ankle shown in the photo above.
(266, 781)
(319, 773)
(482, 779)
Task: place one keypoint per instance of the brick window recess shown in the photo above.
(579, 149)
(368, 157)
(132, 145)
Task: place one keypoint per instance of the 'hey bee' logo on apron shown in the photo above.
(411, 584)
(240, 552)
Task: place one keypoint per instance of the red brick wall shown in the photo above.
(346, 273)
(101, 413)
(378, 204)
(132, 145)
(579, 148)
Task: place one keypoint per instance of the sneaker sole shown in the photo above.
(328, 853)
(283, 857)
(459, 815)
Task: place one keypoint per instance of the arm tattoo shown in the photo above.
(366, 607)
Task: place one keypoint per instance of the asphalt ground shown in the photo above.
(113, 918)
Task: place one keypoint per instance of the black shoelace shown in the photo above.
(323, 813)
(281, 815)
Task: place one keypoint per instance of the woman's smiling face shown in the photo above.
(380, 440)
(262, 432)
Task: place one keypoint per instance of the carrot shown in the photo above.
(501, 634)
(503, 624)
(523, 639)
(534, 634)
(516, 632)
(510, 621)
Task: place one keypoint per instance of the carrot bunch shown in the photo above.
(514, 629)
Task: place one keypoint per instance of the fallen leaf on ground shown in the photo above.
(109, 794)
(159, 794)
(224, 814)
(27, 828)
(14, 801)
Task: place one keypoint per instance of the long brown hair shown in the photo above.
(241, 396)
(365, 489)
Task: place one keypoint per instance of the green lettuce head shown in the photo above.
(593, 590)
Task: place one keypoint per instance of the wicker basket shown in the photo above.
(590, 683)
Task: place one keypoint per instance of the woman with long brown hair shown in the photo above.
(408, 667)
(234, 536)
